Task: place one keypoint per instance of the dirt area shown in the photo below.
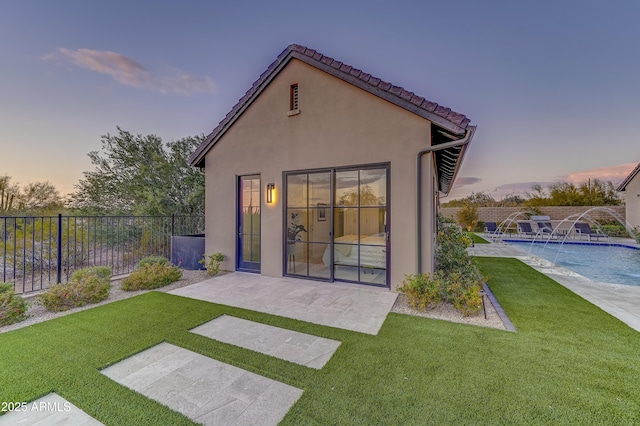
(37, 313)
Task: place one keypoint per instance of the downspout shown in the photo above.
(460, 142)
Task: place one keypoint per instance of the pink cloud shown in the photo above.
(615, 174)
(127, 71)
(124, 70)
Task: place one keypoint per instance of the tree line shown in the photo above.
(132, 175)
(39, 197)
(592, 192)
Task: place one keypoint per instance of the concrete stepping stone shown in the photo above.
(203, 389)
(51, 409)
(304, 349)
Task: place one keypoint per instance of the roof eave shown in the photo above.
(197, 158)
(445, 187)
(629, 178)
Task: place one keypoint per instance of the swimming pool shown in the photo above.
(606, 263)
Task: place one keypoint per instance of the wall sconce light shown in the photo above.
(271, 187)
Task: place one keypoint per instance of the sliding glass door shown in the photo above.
(336, 224)
(360, 226)
(308, 214)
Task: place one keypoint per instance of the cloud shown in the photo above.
(615, 174)
(517, 188)
(465, 181)
(127, 71)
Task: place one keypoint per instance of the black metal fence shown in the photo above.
(36, 252)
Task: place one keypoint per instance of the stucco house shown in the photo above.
(631, 188)
(323, 171)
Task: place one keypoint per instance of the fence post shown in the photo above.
(172, 223)
(59, 260)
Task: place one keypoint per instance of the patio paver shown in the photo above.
(203, 389)
(301, 348)
(51, 409)
(349, 306)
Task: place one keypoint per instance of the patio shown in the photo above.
(349, 306)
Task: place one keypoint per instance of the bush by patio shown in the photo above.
(13, 308)
(456, 280)
(425, 291)
(212, 263)
(150, 275)
(87, 285)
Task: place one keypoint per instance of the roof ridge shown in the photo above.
(629, 178)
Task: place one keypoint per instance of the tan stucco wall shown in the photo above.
(632, 197)
(339, 125)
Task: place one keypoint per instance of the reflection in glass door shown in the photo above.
(360, 226)
(249, 223)
(336, 225)
(308, 224)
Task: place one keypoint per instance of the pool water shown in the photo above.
(606, 263)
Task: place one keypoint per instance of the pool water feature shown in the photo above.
(606, 263)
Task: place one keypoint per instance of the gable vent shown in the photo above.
(294, 97)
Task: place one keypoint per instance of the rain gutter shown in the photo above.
(453, 144)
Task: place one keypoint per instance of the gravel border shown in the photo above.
(447, 312)
(37, 313)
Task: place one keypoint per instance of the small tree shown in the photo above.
(8, 193)
(39, 196)
(136, 174)
(468, 216)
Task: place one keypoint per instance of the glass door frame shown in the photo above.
(241, 265)
(331, 213)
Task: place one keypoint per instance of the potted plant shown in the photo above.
(294, 228)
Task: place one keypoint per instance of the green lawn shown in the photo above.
(477, 239)
(569, 363)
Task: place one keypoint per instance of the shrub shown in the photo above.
(426, 291)
(88, 285)
(151, 275)
(451, 253)
(464, 293)
(456, 280)
(213, 263)
(13, 308)
(151, 260)
(468, 216)
(423, 290)
(102, 272)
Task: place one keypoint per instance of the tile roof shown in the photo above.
(440, 115)
(629, 178)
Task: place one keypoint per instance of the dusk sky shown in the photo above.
(553, 86)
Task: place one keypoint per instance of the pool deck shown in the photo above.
(621, 301)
